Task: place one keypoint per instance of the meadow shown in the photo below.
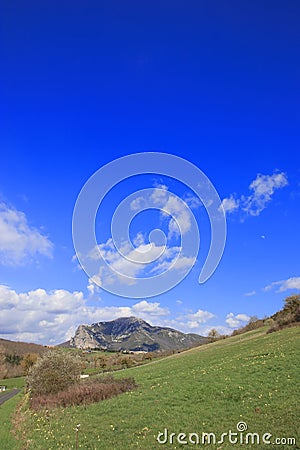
(251, 380)
(7, 410)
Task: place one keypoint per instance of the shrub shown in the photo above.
(277, 326)
(28, 361)
(85, 392)
(253, 324)
(13, 359)
(213, 335)
(55, 371)
(270, 322)
(288, 316)
(126, 361)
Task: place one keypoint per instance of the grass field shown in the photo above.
(12, 383)
(252, 378)
(7, 440)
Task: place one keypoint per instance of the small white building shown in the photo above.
(2, 388)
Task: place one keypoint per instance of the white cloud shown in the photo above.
(123, 266)
(93, 287)
(197, 323)
(242, 317)
(129, 263)
(154, 309)
(20, 243)
(175, 210)
(174, 263)
(139, 239)
(137, 203)
(180, 223)
(187, 324)
(193, 321)
(263, 187)
(235, 321)
(250, 294)
(220, 329)
(159, 195)
(284, 285)
(52, 317)
(192, 201)
(230, 204)
(192, 324)
(201, 316)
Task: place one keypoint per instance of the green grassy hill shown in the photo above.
(252, 378)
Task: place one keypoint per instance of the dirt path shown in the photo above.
(8, 395)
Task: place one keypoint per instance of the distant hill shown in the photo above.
(132, 334)
(15, 356)
(20, 348)
(64, 344)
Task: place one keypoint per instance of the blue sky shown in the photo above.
(215, 83)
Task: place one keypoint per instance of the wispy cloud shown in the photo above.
(263, 187)
(284, 285)
(193, 320)
(127, 264)
(140, 259)
(20, 243)
(174, 209)
(250, 294)
(262, 190)
(93, 287)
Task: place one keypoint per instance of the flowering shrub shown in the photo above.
(55, 371)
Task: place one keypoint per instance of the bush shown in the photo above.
(288, 316)
(253, 324)
(28, 361)
(277, 326)
(55, 371)
(85, 392)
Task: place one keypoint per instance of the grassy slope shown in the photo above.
(7, 440)
(252, 377)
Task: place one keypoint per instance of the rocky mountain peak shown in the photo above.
(134, 334)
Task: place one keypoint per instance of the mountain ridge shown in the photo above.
(132, 334)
